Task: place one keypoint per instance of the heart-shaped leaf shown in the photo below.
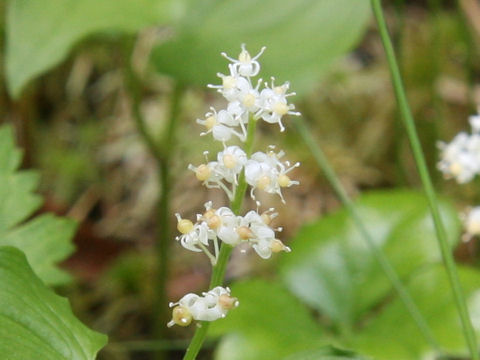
(41, 33)
(302, 37)
(332, 269)
(35, 323)
(268, 324)
(392, 335)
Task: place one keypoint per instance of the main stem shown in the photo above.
(377, 252)
(218, 272)
(426, 181)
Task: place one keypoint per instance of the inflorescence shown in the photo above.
(460, 160)
(265, 171)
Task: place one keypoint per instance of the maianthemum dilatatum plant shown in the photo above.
(217, 231)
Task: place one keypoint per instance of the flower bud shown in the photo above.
(227, 302)
(202, 172)
(184, 226)
(180, 316)
(278, 246)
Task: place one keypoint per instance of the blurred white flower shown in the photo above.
(471, 223)
(458, 159)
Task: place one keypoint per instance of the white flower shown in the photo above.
(262, 236)
(274, 105)
(230, 163)
(471, 223)
(460, 159)
(211, 306)
(245, 65)
(221, 125)
(266, 172)
(194, 236)
(213, 175)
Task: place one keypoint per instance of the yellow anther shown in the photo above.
(245, 233)
(279, 90)
(214, 222)
(202, 172)
(181, 316)
(249, 100)
(184, 226)
(210, 122)
(284, 180)
(229, 161)
(278, 246)
(227, 302)
(263, 182)
(280, 108)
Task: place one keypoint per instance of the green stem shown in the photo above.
(162, 151)
(218, 273)
(164, 230)
(377, 252)
(426, 181)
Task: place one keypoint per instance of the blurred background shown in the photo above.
(104, 96)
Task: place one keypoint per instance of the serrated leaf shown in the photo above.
(35, 323)
(397, 333)
(269, 324)
(302, 37)
(332, 269)
(46, 239)
(41, 33)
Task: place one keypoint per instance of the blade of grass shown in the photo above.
(426, 180)
(382, 259)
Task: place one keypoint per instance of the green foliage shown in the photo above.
(302, 38)
(46, 239)
(332, 270)
(398, 334)
(35, 323)
(41, 33)
(344, 279)
(270, 323)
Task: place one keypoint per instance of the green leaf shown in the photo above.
(325, 353)
(302, 37)
(332, 269)
(46, 239)
(35, 323)
(397, 333)
(268, 324)
(40, 34)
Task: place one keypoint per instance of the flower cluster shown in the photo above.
(265, 171)
(460, 159)
(245, 99)
(222, 224)
(210, 306)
